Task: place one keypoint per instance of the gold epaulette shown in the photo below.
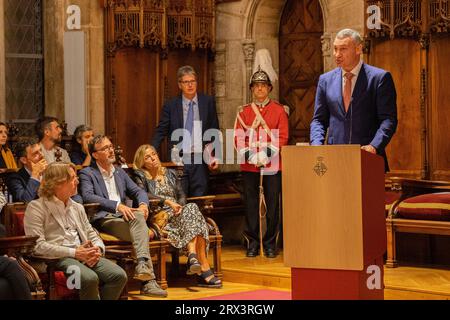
(241, 108)
(285, 107)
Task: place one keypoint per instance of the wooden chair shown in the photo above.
(53, 281)
(122, 251)
(413, 212)
(19, 248)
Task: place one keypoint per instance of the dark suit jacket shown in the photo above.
(371, 118)
(172, 119)
(77, 156)
(22, 187)
(150, 186)
(25, 189)
(93, 189)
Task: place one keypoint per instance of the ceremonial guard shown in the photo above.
(261, 129)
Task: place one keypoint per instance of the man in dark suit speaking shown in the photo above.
(196, 114)
(356, 102)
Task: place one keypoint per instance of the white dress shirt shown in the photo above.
(49, 155)
(110, 182)
(71, 236)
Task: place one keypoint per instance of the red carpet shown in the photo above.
(254, 295)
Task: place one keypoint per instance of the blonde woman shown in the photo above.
(186, 227)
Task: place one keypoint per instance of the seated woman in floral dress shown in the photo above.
(186, 227)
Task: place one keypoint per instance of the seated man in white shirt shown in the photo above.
(49, 133)
(65, 233)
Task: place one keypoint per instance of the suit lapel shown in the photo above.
(337, 87)
(202, 111)
(51, 207)
(179, 112)
(98, 176)
(119, 184)
(361, 83)
(24, 175)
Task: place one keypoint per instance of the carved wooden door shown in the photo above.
(301, 62)
(135, 79)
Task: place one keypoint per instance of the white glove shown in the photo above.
(259, 159)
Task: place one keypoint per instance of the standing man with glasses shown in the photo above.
(195, 113)
(110, 185)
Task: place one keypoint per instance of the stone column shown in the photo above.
(248, 45)
(327, 51)
(54, 24)
(54, 21)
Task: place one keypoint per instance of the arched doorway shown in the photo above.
(301, 62)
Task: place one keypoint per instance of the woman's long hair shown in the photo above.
(138, 161)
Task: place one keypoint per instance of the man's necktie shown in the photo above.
(348, 90)
(189, 126)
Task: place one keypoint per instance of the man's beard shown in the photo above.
(111, 160)
(57, 140)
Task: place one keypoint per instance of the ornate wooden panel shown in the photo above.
(418, 65)
(405, 150)
(440, 109)
(135, 100)
(146, 41)
(301, 62)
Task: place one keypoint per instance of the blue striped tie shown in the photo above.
(189, 126)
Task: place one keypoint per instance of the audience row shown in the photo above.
(49, 182)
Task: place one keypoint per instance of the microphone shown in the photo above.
(350, 106)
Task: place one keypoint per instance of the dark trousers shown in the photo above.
(272, 188)
(13, 284)
(195, 178)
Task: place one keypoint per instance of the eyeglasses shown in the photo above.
(105, 148)
(188, 82)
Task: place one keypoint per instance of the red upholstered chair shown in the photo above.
(423, 207)
(53, 282)
(432, 206)
(391, 195)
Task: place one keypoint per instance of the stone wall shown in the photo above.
(55, 17)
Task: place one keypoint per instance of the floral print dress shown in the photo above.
(188, 224)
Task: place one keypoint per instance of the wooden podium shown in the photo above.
(333, 221)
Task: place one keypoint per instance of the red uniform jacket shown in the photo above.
(248, 141)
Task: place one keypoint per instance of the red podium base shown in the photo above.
(321, 284)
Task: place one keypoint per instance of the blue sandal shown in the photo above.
(214, 282)
(193, 266)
